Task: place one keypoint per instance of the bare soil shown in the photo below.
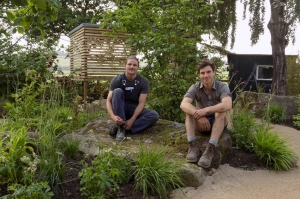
(71, 186)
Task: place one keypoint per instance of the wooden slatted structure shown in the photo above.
(95, 55)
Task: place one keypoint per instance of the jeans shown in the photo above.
(125, 111)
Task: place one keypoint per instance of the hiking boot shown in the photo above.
(113, 130)
(193, 152)
(207, 156)
(120, 134)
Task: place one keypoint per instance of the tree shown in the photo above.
(167, 34)
(282, 24)
(20, 16)
(72, 14)
(23, 14)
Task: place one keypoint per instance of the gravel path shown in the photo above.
(231, 183)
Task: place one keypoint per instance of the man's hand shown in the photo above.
(129, 123)
(204, 123)
(118, 120)
(200, 113)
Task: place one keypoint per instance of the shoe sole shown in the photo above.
(120, 139)
(205, 167)
(191, 161)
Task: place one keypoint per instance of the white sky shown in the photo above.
(242, 40)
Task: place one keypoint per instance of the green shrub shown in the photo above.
(154, 174)
(273, 150)
(13, 147)
(274, 113)
(243, 126)
(102, 178)
(293, 75)
(297, 117)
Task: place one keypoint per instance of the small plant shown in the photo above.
(33, 191)
(52, 168)
(69, 146)
(243, 125)
(274, 113)
(273, 150)
(102, 178)
(154, 174)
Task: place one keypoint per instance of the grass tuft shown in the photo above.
(154, 174)
(274, 151)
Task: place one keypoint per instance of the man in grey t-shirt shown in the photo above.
(126, 100)
(213, 100)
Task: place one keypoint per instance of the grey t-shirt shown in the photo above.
(196, 93)
(132, 89)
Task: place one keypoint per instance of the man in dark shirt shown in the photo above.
(126, 100)
(213, 100)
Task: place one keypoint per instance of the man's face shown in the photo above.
(131, 66)
(206, 75)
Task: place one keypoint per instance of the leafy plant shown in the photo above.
(243, 126)
(103, 177)
(273, 150)
(154, 173)
(33, 191)
(274, 113)
(13, 146)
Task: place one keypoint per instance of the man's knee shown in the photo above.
(154, 115)
(222, 117)
(118, 91)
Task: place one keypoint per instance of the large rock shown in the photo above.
(257, 102)
(162, 133)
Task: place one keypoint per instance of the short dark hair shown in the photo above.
(133, 57)
(206, 62)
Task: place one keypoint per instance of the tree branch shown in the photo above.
(9, 47)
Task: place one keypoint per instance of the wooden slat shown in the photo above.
(94, 55)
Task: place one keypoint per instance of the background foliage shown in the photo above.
(167, 33)
(293, 75)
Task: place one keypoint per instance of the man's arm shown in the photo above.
(109, 104)
(187, 107)
(140, 107)
(225, 105)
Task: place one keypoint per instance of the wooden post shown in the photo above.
(85, 91)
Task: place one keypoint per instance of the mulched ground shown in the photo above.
(71, 186)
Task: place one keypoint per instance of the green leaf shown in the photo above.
(41, 4)
(21, 30)
(10, 15)
(17, 21)
(19, 2)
